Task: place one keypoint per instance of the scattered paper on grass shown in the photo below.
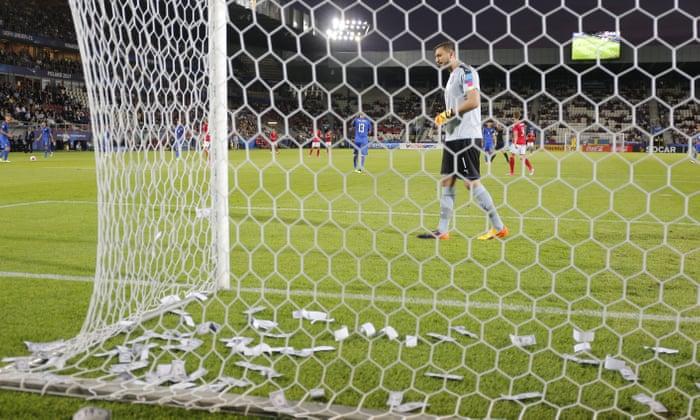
(169, 300)
(317, 393)
(236, 341)
(441, 338)
(368, 329)
(341, 334)
(263, 370)
(45, 347)
(411, 341)
(523, 340)
(273, 335)
(254, 310)
(620, 366)
(581, 361)
(655, 406)
(463, 331)
(580, 347)
(408, 407)
(395, 398)
(523, 396)
(199, 373)
(277, 399)
(583, 336)
(208, 327)
(200, 296)
(158, 235)
(390, 332)
(182, 385)
(186, 345)
(263, 324)
(448, 376)
(662, 350)
(128, 367)
(313, 316)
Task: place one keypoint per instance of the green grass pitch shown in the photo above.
(599, 241)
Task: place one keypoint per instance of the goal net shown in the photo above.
(240, 267)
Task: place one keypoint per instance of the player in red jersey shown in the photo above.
(329, 141)
(315, 143)
(519, 146)
(273, 142)
(206, 140)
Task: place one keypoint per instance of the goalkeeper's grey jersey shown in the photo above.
(462, 80)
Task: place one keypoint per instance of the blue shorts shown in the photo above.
(361, 146)
(488, 146)
(4, 143)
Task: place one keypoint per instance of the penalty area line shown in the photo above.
(501, 307)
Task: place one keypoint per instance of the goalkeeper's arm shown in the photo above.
(470, 102)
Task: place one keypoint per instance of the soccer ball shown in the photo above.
(32, 158)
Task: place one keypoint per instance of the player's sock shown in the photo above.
(486, 202)
(354, 161)
(5, 155)
(318, 152)
(511, 163)
(528, 164)
(362, 162)
(447, 202)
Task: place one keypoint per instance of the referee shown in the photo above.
(461, 122)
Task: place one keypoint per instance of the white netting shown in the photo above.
(602, 242)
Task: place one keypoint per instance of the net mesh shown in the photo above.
(600, 242)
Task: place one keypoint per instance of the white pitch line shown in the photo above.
(501, 307)
(364, 212)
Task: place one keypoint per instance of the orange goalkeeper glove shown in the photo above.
(442, 117)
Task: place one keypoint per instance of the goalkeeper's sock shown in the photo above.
(511, 163)
(486, 203)
(447, 202)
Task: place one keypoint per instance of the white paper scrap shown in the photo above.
(109, 353)
(197, 374)
(45, 347)
(186, 345)
(663, 350)
(390, 332)
(614, 364)
(200, 296)
(278, 400)
(183, 385)
(202, 212)
(263, 324)
(254, 310)
(313, 316)
(158, 235)
(628, 374)
(368, 329)
(125, 357)
(585, 346)
(317, 393)
(463, 331)
(395, 398)
(583, 336)
(169, 300)
(448, 376)
(581, 361)
(523, 340)
(272, 335)
(523, 396)
(236, 341)
(207, 327)
(341, 334)
(408, 407)
(441, 338)
(236, 383)
(411, 341)
(257, 350)
(655, 406)
(177, 369)
(128, 367)
(265, 371)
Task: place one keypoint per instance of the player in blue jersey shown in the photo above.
(489, 134)
(696, 146)
(362, 126)
(46, 139)
(179, 138)
(5, 139)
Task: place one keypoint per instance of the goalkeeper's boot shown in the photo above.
(436, 234)
(493, 234)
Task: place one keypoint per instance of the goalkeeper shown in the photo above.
(461, 122)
